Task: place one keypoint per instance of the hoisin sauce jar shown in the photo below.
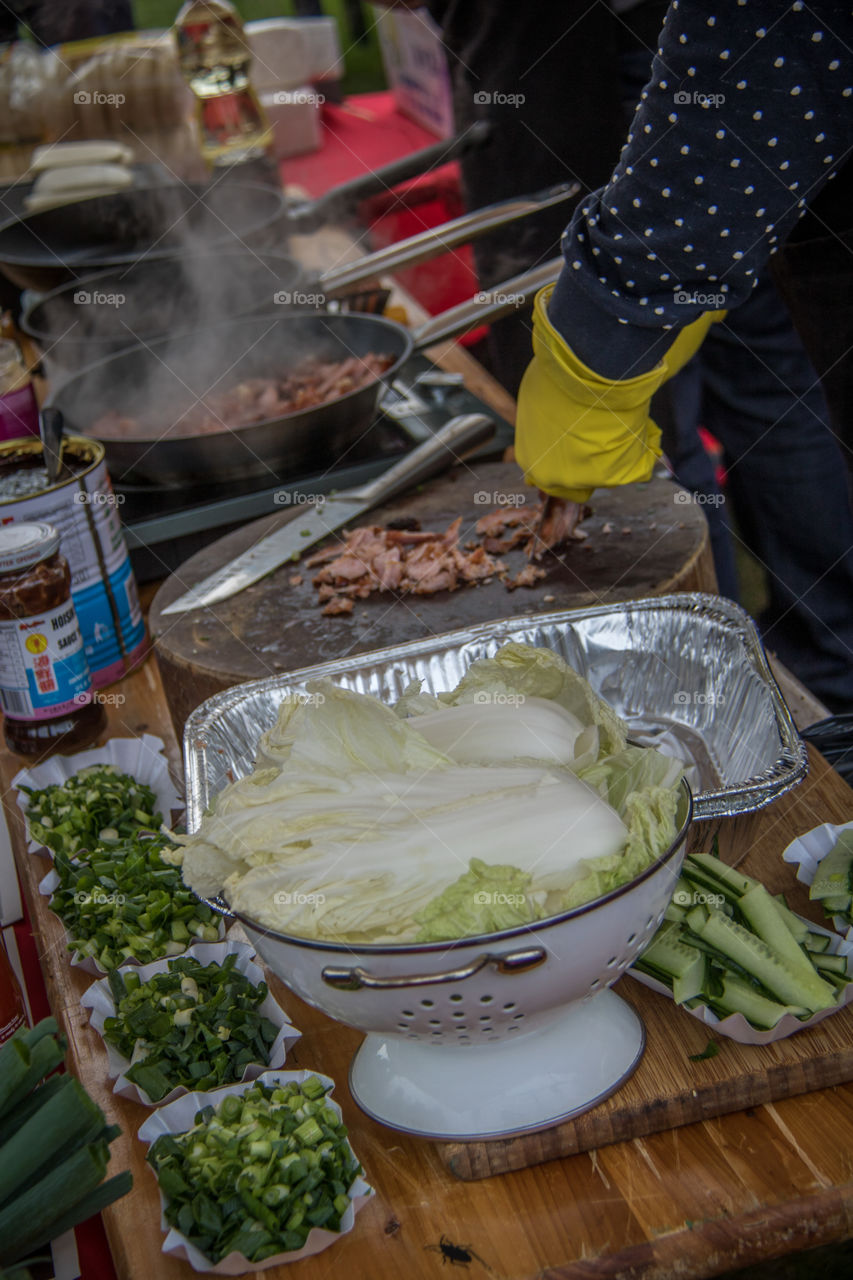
(45, 688)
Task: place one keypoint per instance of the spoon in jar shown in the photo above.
(51, 427)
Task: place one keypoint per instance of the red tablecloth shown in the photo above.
(360, 136)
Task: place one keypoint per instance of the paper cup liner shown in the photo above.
(88, 964)
(98, 998)
(736, 1027)
(142, 758)
(177, 1117)
(807, 851)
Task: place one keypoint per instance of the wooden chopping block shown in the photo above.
(643, 540)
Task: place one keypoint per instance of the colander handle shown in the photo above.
(509, 963)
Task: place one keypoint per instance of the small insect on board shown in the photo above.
(458, 1255)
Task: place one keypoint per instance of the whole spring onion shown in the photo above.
(99, 805)
(258, 1171)
(195, 1025)
(124, 902)
(54, 1146)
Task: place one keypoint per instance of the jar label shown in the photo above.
(43, 669)
(86, 515)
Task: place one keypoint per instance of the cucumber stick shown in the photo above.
(729, 943)
(834, 874)
(767, 917)
(763, 963)
(737, 996)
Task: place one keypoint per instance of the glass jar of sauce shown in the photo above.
(45, 688)
(19, 415)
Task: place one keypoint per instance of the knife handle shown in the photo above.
(456, 437)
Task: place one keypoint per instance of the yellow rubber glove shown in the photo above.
(576, 431)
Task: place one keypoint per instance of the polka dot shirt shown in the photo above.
(748, 113)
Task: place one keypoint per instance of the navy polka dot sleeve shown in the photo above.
(748, 113)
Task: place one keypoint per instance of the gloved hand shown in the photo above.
(576, 431)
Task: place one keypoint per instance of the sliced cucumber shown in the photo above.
(722, 878)
(759, 960)
(738, 996)
(832, 877)
(831, 964)
(769, 919)
(693, 981)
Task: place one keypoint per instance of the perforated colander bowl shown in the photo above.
(488, 1035)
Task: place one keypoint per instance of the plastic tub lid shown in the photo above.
(23, 545)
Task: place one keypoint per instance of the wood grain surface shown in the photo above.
(691, 1201)
(641, 541)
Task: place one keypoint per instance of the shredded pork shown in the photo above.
(310, 383)
(373, 558)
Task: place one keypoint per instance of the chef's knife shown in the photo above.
(456, 437)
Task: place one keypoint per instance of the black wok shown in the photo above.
(95, 316)
(43, 250)
(49, 248)
(166, 377)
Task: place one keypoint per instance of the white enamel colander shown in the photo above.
(493, 1035)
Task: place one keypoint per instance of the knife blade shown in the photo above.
(456, 437)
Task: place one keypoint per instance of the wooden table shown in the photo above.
(694, 1201)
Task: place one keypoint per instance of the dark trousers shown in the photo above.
(753, 387)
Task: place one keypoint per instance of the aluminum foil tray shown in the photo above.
(686, 672)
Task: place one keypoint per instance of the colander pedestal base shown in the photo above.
(504, 1087)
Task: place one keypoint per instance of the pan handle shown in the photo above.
(487, 305)
(338, 202)
(509, 963)
(435, 240)
(456, 437)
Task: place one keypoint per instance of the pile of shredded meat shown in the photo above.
(373, 558)
(311, 383)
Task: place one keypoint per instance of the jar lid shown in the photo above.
(23, 545)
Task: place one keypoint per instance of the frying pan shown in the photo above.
(163, 297)
(43, 250)
(167, 376)
(46, 249)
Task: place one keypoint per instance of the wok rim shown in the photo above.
(530, 930)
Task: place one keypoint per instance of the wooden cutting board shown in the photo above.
(642, 540)
(668, 1089)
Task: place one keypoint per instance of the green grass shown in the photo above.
(362, 58)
